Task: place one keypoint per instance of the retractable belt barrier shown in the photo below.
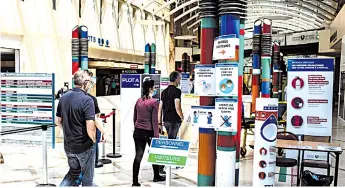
(104, 117)
(44, 149)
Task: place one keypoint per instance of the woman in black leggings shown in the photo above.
(146, 126)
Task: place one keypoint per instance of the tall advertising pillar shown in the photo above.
(153, 58)
(239, 107)
(147, 60)
(84, 47)
(256, 62)
(207, 136)
(265, 142)
(276, 69)
(75, 51)
(226, 140)
(266, 52)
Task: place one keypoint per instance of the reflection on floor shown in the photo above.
(23, 167)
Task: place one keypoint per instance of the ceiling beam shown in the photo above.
(186, 13)
(180, 7)
(190, 19)
(279, 7)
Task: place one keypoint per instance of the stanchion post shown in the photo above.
(114, 154)
(104, 160)
(45, 163)
(168, 176)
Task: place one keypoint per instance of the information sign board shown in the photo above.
(27, 100)
(168, 152)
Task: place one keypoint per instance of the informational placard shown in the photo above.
(227, 79)
(202, 116)
(205, 80)
(157, 79)
(225, 48)
(226, 115)
(168, 152)
(264, 165)
(27, 100)
(185, 83)
(310, 94)
(309, 99)
(130, 93)
(164, 83)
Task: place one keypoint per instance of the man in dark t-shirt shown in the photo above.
(76, 117)
(170, 106)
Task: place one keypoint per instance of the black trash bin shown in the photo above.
(311, 179)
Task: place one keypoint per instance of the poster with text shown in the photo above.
(226, 115)
(309, 98)
(205, 80)
(227, 79)
(185, 83)
(157, 79)
(202, 116)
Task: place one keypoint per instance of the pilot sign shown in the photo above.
(130, 80)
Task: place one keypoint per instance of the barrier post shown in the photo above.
(45, 163)
(114, 154)
(168, 176)
(104, 160)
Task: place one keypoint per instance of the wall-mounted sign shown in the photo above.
(132, 71)
(302, 38)
(226, 79)
(226, 115)
(100, 41)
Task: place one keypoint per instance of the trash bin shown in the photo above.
(311, 179)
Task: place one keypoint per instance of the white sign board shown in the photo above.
(27, 100)
(227, 79)
(225, 47)
(309, 99)
(226, 115)
(202, 116)
(205, 79)
(264, 162)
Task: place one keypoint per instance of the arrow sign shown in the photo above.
(224, 47)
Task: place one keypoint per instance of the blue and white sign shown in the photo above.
(185, 83)
(226, 115)
(168, 152)
(311, 64)
(309, 98)
(130, 80)
(205, 80)
(227, 79)
(202, 116)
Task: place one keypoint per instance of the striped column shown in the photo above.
(226, 141)
(276, 68)
(207, 136)
(240, 93)
(84, 47)
(153, 58)
(147, 60)
(75, 51)
(266, 52)
(256, 63)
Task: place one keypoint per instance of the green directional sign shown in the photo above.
(167, 159)
(168, 152)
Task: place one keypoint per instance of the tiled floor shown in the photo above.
(23, 167)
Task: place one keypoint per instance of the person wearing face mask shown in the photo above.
(145, 127)
(170, 106)
(75, 115)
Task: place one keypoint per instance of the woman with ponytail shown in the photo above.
(146, 126)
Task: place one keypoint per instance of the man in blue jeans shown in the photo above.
(76, 117)
(170, 108)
